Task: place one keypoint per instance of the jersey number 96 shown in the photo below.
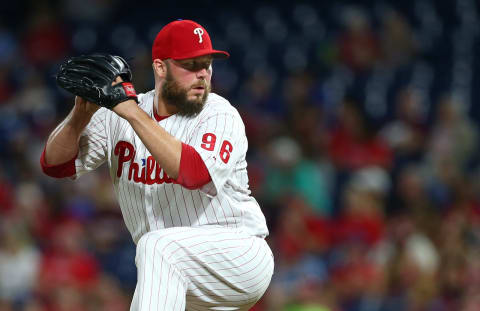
(208, 143)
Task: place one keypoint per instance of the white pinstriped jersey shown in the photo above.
(148, 198)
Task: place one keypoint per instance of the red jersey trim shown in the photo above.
(66, 169)
(193, 173)
(157, 117)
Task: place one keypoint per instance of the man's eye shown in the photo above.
(194, 66)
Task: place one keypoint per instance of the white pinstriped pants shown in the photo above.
(206, 268)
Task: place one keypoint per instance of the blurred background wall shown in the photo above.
(362, 119)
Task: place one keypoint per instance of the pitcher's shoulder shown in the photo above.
(217, 104)
(146, 99)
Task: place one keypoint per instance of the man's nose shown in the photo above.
(202, 73)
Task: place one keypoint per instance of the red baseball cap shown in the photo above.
(183, 39)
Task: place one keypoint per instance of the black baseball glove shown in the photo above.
(91, 77)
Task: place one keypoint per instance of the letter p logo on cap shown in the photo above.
(199, 31)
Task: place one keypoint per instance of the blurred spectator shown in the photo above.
(6, 195)
(300, 232)
(289, 173)
(412, 197)
(397, 39)
(406, 133)
(8, 47)
(301, 240)
(90, 11)
(6, 88)
(362, 217)
(142, 70)
(297, 91)
(32, 207)
(109, 296)
(453, 136)
(45, 40)
(19, 261)
(258, 94)
(34, 103)
(358, 45)
(67, 266)
(68, 297)
(113, 249)
(8, 57)
(354, 143)
(357, 280)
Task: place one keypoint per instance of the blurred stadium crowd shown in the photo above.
(362, 120)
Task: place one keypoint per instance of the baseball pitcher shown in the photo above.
(176, 157)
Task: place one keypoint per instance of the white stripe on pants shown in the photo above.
(203, 268)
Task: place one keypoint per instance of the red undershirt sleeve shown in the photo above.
(193, 174)
(66, 169)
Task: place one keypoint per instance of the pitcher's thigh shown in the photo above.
(224, 269)
(228, 271)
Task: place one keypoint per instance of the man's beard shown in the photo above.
(175, 95)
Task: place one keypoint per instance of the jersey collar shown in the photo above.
(157, 117)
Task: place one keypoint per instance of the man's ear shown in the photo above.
(160, 68)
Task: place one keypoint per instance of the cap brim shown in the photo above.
(214, 53)
(220, 54)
